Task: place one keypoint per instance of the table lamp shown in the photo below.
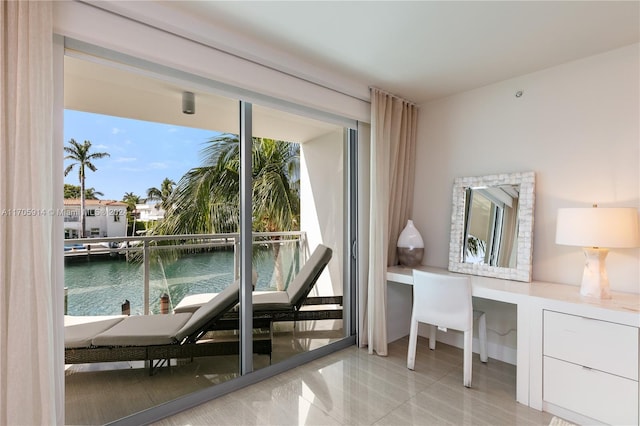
(596, 230)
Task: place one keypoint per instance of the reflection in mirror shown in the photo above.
(492, 225)
(491, 218)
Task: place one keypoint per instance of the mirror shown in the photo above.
(492, 226)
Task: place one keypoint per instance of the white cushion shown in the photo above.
(210, 311)
(268, 300)
(272, 300)
(143, 330)
(192, 302)
(80, 334)
(261, 301)
(82, 319)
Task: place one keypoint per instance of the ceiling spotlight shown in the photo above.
(188, 103)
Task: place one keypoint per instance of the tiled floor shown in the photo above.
(352, 387)
(105, 392)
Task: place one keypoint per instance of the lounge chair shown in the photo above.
(156, 337)
(273, 306)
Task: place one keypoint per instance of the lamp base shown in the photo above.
(595, 282)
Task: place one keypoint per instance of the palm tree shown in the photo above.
(73, 191)
(207, 200)
(276, 192)
(131, 199)
(92, 194)
(162, 194)
(276, 185)
(80, 155)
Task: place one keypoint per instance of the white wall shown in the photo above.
(576, 126)
(322, 185)
(119, 228)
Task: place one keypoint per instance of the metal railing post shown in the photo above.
(147, 268)
(304, 249)
(236, 258)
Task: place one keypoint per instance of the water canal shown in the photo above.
(99, 285)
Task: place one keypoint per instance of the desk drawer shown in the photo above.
(601, 396)
(602, 345)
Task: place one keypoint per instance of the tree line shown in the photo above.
(207, 198)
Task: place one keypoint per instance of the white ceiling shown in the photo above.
(420, 50)
(106, 88)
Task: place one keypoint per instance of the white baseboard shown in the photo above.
(569, 415)
(495, 351)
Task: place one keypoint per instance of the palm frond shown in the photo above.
(206, 199)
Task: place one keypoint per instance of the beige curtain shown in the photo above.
(509, 246)
(401, 129)
(364, 205)
(31, 362)
(393, 139)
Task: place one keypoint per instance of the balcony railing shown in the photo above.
(145, 248)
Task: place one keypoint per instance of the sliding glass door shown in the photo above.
(173, 177)
(300, 179)
(215, 195)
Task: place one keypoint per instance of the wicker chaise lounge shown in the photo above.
(156, 337)
(291, 304)
(180, 335)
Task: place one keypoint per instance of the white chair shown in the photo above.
(444, 301)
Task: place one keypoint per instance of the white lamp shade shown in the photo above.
(598, 227)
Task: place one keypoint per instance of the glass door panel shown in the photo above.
(163, 238)
(164, 204)
(300, 178)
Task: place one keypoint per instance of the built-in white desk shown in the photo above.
(507, 291)
(616, 319)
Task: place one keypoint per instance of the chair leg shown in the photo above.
(432, 336)
(467, 355)
(413, 338)
(482, 337)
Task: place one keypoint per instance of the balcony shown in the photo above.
(102, 273)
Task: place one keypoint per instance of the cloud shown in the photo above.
(101, 146)
(172, 129)
(116, 130)
(158, 165)
(125, 159)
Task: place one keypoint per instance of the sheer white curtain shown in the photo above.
(393, 140)
(31, 353)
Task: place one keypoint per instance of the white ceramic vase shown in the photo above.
(410, 246)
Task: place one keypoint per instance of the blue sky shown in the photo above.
(142, 153)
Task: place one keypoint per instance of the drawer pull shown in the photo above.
(584, 367)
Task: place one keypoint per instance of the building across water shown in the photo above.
(149, 212)
(104, 218)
